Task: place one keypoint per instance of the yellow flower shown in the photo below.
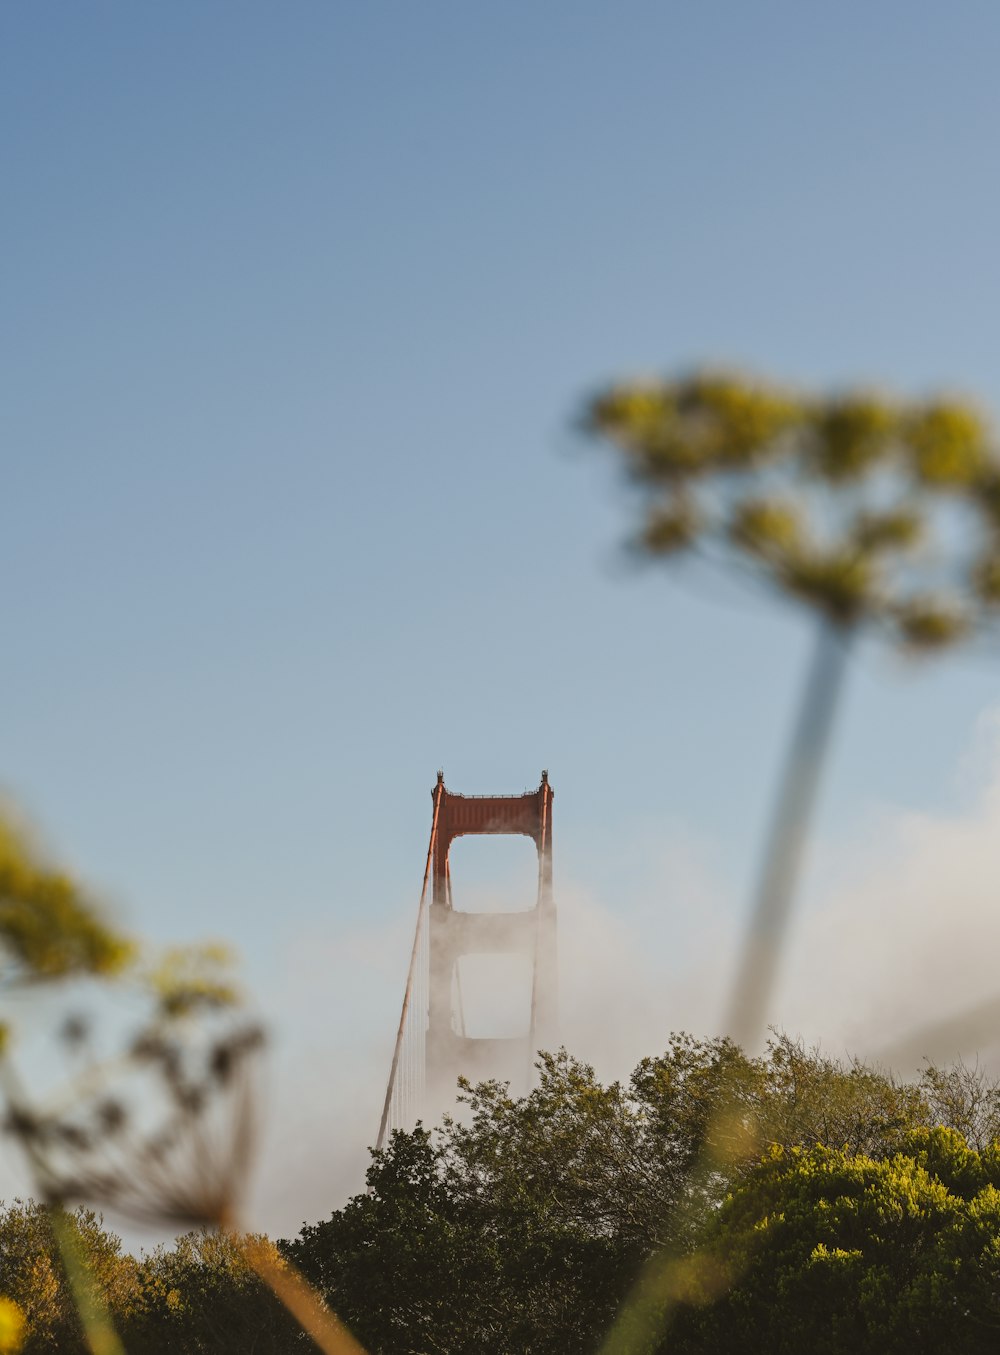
(12, 1327)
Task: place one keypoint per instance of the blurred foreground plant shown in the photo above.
(49, 929)
(161, 1129)
(877, 515)
(11, 1327)
(139, 1128)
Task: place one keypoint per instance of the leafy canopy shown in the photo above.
(521, 1225)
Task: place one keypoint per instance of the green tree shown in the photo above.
(399, 1263)
(828, 1251)
(203, 1294)
(809, 1098)
(520, 1225)
(966, 1098)
(32, 1274)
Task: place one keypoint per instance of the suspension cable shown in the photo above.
(410, 973)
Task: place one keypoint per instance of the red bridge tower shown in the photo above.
(430, 1031)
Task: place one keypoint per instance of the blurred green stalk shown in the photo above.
(783, 855)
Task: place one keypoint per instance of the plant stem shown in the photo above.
(758, 964)
(98, 1328)
(302, 1301)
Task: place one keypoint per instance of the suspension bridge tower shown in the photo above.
(432, 1047)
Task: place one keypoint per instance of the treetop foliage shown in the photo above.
(200, 1295)
(828, 1251)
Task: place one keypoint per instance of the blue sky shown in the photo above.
(299, 305)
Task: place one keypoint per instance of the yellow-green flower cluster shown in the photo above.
(48, 927)
(866, 509)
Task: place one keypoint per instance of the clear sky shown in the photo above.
(299, 304)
